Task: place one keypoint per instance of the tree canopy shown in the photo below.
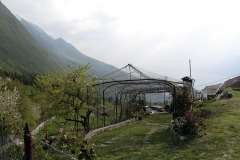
(68, 91)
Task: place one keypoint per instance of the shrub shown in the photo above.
(70, 143)
(191, 123)
(140, 114)
(204, 103)
(183, 102)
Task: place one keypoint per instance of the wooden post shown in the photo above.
(28, 143)
(2, 137)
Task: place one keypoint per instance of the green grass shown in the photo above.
(132, 138)
(151, 137)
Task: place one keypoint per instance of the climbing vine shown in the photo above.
(183, 102)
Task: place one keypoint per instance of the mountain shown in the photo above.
(27, 49)
(66, 51)
(19, 51)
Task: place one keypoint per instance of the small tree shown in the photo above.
(9, 115)
(190, 121)
(69, 93)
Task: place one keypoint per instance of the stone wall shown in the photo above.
(175, 127)
(107, 128)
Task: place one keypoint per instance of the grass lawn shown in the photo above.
(151, 137)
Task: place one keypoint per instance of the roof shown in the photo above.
(187, 78)
(211, 90)
(233, 83)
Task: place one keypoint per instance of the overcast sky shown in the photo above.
(157, 35)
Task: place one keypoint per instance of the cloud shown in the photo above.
(160, 36)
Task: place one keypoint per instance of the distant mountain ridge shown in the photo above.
(67, 51)
(26, 49)
(19, 51)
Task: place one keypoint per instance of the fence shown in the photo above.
(28, 145)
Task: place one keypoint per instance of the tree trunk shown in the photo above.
(86, 121)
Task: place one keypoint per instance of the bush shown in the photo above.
(204, 103)
(183, 102)
(70, 143)
(140, 114)
(192, 122)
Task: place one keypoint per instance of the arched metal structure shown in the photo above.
(133, 81)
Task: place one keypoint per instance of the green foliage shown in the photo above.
(24, 78)
(14, 152)
(135, 108)
(69, 143)
(183, 102)
(39, 153)
(30, 102)
(68, 92)
(142, 102)
(227, 93)
(140, 114)
(204, 103)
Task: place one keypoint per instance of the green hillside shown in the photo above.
(219, 140)
(19, 52)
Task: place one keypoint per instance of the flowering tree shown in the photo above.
(9, 116)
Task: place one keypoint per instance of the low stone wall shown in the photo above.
(40, 126)
(107, 128)
(175, 126)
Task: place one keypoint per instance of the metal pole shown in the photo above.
(174, 102)
(130, 72)
(164, 99)
(87, 97)
(190, 68)
(116, 106)
(103, 109)
(99, 95)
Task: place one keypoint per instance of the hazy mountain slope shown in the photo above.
(19, 51)
(65, 50)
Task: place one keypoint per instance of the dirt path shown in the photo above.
(146, 138)
(152, 131)
(148, 135)
(112, 140)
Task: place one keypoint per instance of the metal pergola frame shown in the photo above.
(129, 87)
(134, 83)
